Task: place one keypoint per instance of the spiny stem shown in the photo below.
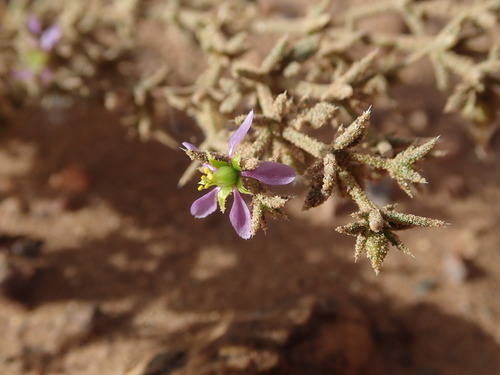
(355, 191)
(304, 142)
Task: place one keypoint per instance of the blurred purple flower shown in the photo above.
(26, 75)
(36, 59)
(226, 177)
(48, 38)
(34, 24)
(23, 75)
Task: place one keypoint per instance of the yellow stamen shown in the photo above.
(206, 181)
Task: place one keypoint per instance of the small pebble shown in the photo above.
(418, 121)
(385, 149)
(454, 268)
(424, 287)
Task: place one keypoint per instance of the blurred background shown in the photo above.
(104, 271)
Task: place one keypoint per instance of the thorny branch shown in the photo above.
(323, 70)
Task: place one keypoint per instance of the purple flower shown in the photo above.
(48, 38)
(34, 24)
(226, 179)
(36, 60)
(27, 75)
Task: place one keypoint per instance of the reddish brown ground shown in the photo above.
(129, 283)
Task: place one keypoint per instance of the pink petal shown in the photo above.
(207, 204)
(272, 173)
(23, 75)
(240, 216)
(50, 37)
(211, 167)
(240, 133)
(190, 146)
(34, 24)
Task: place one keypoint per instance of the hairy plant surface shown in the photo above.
(311, 92)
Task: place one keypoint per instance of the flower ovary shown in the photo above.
(226, 176)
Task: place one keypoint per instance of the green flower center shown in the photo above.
(225, 177)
